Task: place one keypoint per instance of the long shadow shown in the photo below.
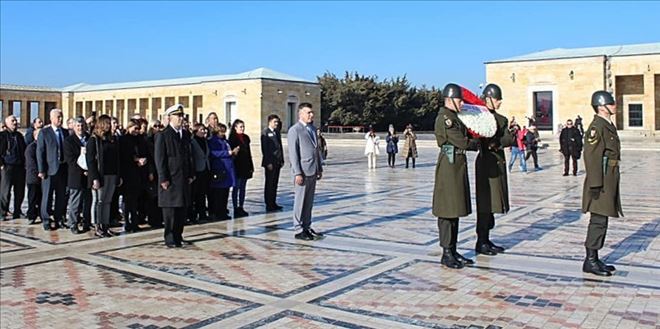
(540, 228)
(636, 242)
(382, 219)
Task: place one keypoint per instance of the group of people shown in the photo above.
(525, 145)
(164, 175)
(409, 151)
(451, 196)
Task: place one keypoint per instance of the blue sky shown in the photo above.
(62, 43)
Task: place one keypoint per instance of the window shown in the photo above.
(543, 110)
(34, 110)
(231, 112)
(16, 109)
(635, 115)
(1, 109)
(292, 112)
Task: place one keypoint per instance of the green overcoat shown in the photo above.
(491, 168)
(602, 152)
(451, 193)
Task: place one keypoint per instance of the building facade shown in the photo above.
(249, 96)
(555, 85)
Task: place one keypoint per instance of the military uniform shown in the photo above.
(492, 185)
(601, 195)
(451, 194)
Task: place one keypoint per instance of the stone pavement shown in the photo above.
(378, 266)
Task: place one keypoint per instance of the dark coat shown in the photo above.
(451, 193)
(133, 147)
(174, 164)
(31, 172)
(47, 150)
(271, 148)
(570, 142)
(243, 160)
(15, 141)
(392, 143)
(601, 143)
(491, 169)
(76, 179)
(95, 155)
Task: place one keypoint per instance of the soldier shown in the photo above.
(491, 168)
(600, 195)
(451, 195)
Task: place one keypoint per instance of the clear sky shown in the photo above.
(62, 43)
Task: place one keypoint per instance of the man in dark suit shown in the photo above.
(12, 168)
(272, 161)
(175, 169)
(80, 197)
(52, 170)
(570, 145)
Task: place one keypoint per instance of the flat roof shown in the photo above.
(7, 86)
(563, 53)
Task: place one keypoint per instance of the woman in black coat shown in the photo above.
(243, 165)
(134, 172)
(103, 173)
(32, 179)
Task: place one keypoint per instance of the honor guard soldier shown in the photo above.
(492, 186)
(451, 194)
(600, 195)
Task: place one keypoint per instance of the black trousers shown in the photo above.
(391, 158)
(131, 217)
(448, 230)
(154, 214)
(485, 223)
(34, 200)
(54, 187)
(220, 197)
(596, 232)
(13, 177)
(270, 187)
(567, 158)
(410, 156)
(200, 188)
(532, 152)
(174, 219)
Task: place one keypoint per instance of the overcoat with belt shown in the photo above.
(173, 158)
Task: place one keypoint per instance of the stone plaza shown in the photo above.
(378, 266)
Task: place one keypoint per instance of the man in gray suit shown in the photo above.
(306, 167)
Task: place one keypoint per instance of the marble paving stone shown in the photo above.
(73, 293)
(293, 319)
(9, 246)
(269, 267)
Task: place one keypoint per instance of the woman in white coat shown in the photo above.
(371, 149)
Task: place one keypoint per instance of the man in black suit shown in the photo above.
(80, 197)
(52, 170)
(12, 168)
(175, 169)
(273, 160)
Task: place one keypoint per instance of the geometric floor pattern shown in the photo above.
(378, 266)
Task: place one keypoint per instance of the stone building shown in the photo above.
(555, 85)
(250, 96)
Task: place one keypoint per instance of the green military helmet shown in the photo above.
(602, 98)
(452, 90)
(492, 90)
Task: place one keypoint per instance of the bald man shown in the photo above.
(12, 168)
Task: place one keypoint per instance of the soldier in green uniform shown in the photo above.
(600, 195)
(492, 186)
(451, 194)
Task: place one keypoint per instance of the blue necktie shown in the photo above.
(312, 135)
(59, 144)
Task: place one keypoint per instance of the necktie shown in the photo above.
(59, 144)
(312, 135)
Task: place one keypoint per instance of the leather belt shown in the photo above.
(459, 151)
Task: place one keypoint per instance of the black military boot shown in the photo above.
(602, 265)
(592, 266)
(495, 247)
(461, 258)
(449, 260)
(484, 249)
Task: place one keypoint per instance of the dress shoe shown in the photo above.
(170, 245)
(574, 174)
(316, 235)
(461, 258)
(273, 209)
(47, 227)
(484, 249)
(304, 235)
(187, 242)
(74, 230)
(17, 216)
(449, 260)
(495, 247)
(565, 174)
(602, 265)
(239, 212)
(591, 264)
(278, 207)
(178, 245)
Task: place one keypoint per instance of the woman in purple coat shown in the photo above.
(222, 173)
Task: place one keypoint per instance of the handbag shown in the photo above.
(82, 160)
